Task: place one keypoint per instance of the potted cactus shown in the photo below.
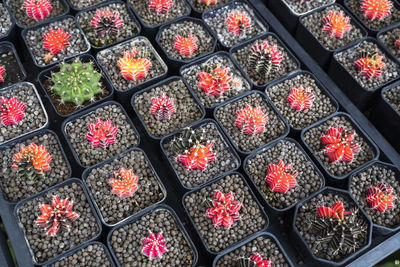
(390, 38)
(11, 69)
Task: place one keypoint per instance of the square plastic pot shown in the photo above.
(11, 34)
(6, 46)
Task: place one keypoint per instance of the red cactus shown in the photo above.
(225, 209)
(209, 2)
(160, 6)
(133, 65)
(101, 133)
(336, 24)
(11, 111)
(154, 246)
(260, 262)
(197, 157)
(185, 46)
(56, 40)
(336, 211)
(215, 82)
(380, 197)
(251, 120)
(340, 146)
(57, 216)
(37, 9)
(125, 183)
(32, 158)
(300, 98)
(162, 107)
(2, 71)
(279, 177)
(376, 9)
(237, 21)
(107, 22)
(397, 43)
(370, 66)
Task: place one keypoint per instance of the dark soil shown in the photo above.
(307, 6)
(340, 168)
(322, 106)
(308, 212)
(127, 241)
(374, 176)
(191, 75)
(185, 27)
(393, 97)
(152, 19)
(200, 7)
(187, 109)
(217, 22)
(108, 59)
(35, 115)
(313, 22)
(377, 24)
(348, 57)
(44, 247)
(218, 238)
(92, 255)
(16, 188)
(224, 160)
(114, 209)
(79, 4)
(274, 127)
(5, 21)
(16, 6)
(34, 39)
(9, 62)
(88, 155)
(263, 245)
(308, 179)
(242, 56)
(389, 39)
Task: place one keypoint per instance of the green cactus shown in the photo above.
(76, 82)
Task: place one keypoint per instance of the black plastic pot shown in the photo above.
(137, 214)
(11, 34)
(67, 182)
(175, 63)
(36, 27)
(270, 105)
(361, 97)
(96, 49)
(6, 46)
(357, 128)
(168, 80)
(154, 208)
(198, 124)
(209, 183)
(280, 43)
(267, 147)
(86, 113)
(320, 53)
(296, 234)
(383, 230)
(243, 243)
(378, 37)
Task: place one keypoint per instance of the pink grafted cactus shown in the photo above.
(107, 22)
(162, 107)
(225, 210)
(237, 22)
(186, 46)
(2, 71)
(280, 178)
(336, 211)
(154, 246)
(56, 40)
(215, 82)
(101, 133)
(340, 146)
(259, 261)
(197, 157)
(160, 6)
(11, 111)
(300, 98)
(380, 197)
(251, 120)
(125, 183)
(37, 9)
(370, 66)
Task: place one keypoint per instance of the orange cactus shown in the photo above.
(380, 197)
(279, 177)
(336, 24)
(251, 120)
(125, 183)
(376, 9)
(209, 2)
(336, 211)
(237, 21)
(56, 40)
(215, 82)
(370, 66)
(300, 98)
(160, 6)
(134, 65)
(197, 157)
(398, 43)
(186, 46)
(340, 146)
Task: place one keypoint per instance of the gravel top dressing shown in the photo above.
(218, 238)
(376, 24)
(45, 247)
(109, 57)
(217, 20)
(92, 255)
(89, 155)
(113, 208)
(128, 29)
(35, 116)
(393, 97)
(265, 246)
(152, 19)
(224, 161)
(339, 168)
(200, 6)
(300, 8)
(79, 4)
(389, 38)
(314, 23)
(274, 127)
(321, 107)
(127, 241)
(348, 58)
(5, 21)
(373, 176)
(187, 109)
(77, 43)
(238, 84)
(13, 72)
(242, 56)
(308, 179)
(17, 187)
